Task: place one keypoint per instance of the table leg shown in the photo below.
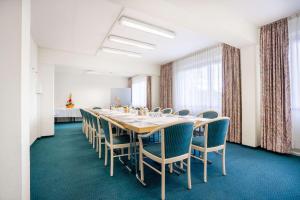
(136, 160)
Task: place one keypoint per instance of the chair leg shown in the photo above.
(141, 166)
(89, 135)
(163, 180)
(105, 162)
(128, 153)
(93, 138)
(171, 168)
(189, 173)
(205, 167)
(96, 140)
(111, 161)
(223, 162)
(181, 164)
(99, 146)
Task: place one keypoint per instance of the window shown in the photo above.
(139, 91)
(294, 67)
(197, 81)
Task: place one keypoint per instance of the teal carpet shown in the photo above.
(65, 167)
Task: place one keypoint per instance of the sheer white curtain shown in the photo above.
(294, 64)
(139, 91)
(197, 81)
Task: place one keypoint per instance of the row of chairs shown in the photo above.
(176, 143)
(101, 130)
(207, 114)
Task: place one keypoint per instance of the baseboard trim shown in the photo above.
(296, 152)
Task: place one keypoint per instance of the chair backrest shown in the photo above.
(106, 125)
(95, 122)
(183, 112)
(176, 139)
(211, 114)
(82, 112)
(167, 111)
(88, 117)
(216, 131)
(157, 109)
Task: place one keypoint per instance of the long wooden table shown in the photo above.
(142, 124)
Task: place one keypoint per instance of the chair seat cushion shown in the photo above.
(198, 141)
(122, 139)
(154, 149)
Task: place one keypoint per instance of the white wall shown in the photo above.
(92, 90)
(14, 90)
(250, 96)
(34, 97)
(88, 90)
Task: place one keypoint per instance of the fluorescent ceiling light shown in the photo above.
(91, 72)
(149, 28)
(131, 42)
(121, 52)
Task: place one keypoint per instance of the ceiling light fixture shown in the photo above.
(121, 52)
(131, 42)
(91, 72)
(149, 28)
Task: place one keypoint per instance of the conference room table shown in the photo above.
(142, 124)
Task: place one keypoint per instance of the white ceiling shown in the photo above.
(80, 26)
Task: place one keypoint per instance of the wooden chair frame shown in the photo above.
(163, 161)
(110, 145)
(205, 150)
(97, 136)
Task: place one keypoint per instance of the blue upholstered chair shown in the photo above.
(97, 134)
(210, 114)
(114, 142)
(157, 109)
(82, 112)
(175, 146)
(91, 127)
(87, 124)
(213, 140)
(167, 111)
(183, 112)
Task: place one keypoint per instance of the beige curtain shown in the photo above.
(231, 98)
(166, 86)
(149, 96)
(275, 94)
